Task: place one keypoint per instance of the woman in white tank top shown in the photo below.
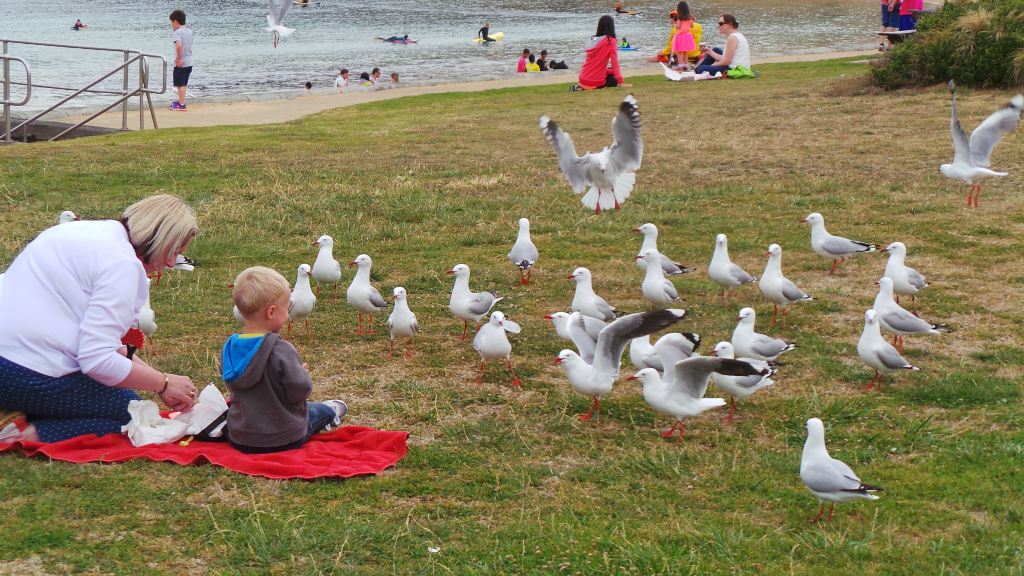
(736, 53)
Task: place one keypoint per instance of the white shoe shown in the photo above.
(340, 409)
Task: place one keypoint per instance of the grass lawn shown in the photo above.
(507, 481)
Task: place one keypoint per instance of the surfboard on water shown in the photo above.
(626, 48)
(494, 35)
(382, 39)
(628, 13)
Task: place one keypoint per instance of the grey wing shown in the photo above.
(585, 344)
(281, 11)
(903, 321)
(593, 326)
(627, 148)
(670, 289)
(415, 325)
(376, 300)
(671, 267)
(839, 246)
(604, 307)
(480, 302)
(612, 341)
(961, 145)
(824, 476)
(891, 358)
(990, 132)
(693, 374)
(525, 252)
(915, 278)
(740, 275)
(766, 346)
(573, 167)
(792, 292)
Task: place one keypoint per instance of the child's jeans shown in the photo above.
(319, 416)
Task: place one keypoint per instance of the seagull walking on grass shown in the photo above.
(586, 301)
(608, 176)
(656, 288)
(750, 344)
(827, 478)
(401, 323)
(835, 247)
(877, 353)
(275, 21)
(362, 295)
(741, 386)
(905, 280)
(898, 319)
(778, 289)
(971, 156)
(303, 300)
(596, 379)
(491, 342)
(722, 270)
(669, 266)
(326, 270)
(466, 305)
(524, 254)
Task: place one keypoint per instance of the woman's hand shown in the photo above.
(180, 394)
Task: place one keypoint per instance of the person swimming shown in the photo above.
(78, 25)
(620, 9)
(397, 39)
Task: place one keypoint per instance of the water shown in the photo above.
(234, 58)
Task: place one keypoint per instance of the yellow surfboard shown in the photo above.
(494, 35)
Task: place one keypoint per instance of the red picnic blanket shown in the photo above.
(346, 452)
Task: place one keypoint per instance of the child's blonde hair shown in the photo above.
(258, 287)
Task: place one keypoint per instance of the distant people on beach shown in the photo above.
(734, 60)
(341, 82)
(394, 77)
(364, 79)
(484, 32)
(78, 25)
(375, 75)
(620, 9)
(890, 19)
(665, 54)
(683, 42)
(601, 68)
(521, 64)
(908, 13)
(309, 87)
(542, 60)
(531, 65)
(182, 36)
(547, 64)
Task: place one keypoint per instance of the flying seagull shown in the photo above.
(275, 21)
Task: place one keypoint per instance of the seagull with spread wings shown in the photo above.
(275, 21)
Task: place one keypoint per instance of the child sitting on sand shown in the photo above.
(268, 382)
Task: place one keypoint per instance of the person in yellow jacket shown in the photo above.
(665, 55)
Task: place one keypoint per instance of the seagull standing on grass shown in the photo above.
(741, 386)
(326, 270)
(778, 289)
(491, 341)
(609, 175)
(181, 262)
(722, 270)
(877, 353)
(146, 320)
(303, 300)
(835, 247)
(401, 323)
(656, 288)
(466, 305)
(669, 266)
(971, 157)
(596, 379)
(362, 295)
(750, 344)
(898, 319)
(827, 478)
(524, 254)
(586, 301)
(905, 280)
(275, 21)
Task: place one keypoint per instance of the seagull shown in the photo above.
(275, 21)
(326, 270)
(181, 262)
(741, 386)
(586, 301)
(673, 347)
(650, 232)
(828, 478)
(971, 157)
(362, 295)
(146, 320)
(492, 344)
(596, 379)
(466, 305)
(722, 270)
(657, 289)
(609, 174)
(524, 254)
(643, 355)
(877, 353)
(582, 336)
(896, 318)
(401, 323)
(67, 216)
(778, 289)
(684, 398)
(303, 300)
(560, 320)
(835, 247)
(905, 280)
(750, 344)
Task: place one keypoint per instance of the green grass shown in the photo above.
(508, 481)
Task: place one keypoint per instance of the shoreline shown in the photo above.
(277, 110)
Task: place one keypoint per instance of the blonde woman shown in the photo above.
(67, 300)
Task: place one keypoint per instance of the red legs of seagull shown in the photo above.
(159, 274)
(480, 375)
(595, 411)
(524, 276)
(836, 263)
(516, 382)
(732, 410)
(821, 512)
(671, 431)
(309, 331)
(976, 191)
(876, 382)
(776, 314)
(897, 341)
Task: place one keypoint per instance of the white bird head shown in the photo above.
(898, 248)
(498, 319)
(774, 251)
(885, 285)
(66, 216)
(814, 219)
(747, 316)
(567, 358)
(362, 261)
(646, 376)
(325, 241)
(459, 271)
(870, 316)
(304, 270)
(579, 275)
(721, 240)
(524, 224)
(557, 317)
(399, 293)
(650, 255)
(816, 429)
(724, 350)
(1017, 102)
(648, 230)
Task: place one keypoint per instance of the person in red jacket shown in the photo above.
(601, 69)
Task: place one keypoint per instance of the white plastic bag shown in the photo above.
(207, 408)
(147, 427)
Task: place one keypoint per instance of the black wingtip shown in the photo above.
(693, 337)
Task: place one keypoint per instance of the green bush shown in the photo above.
(975, 43)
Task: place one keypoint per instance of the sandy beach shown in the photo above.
(284, 109)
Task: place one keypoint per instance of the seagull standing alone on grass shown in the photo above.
(827, 478)
(524, 254)
(275, 21)
(492, 344)
(971, 157)
(905, 280)
(669, 266)
(586, 301)
(401, 323)
(466, 305)
(326, 270)
(741, 386)
(596, 379)
(750, 344)
(835, 247)
(778, 289)
(656, 288)
(362, 295)
(898, 319)
(722, 270)
(609, 175)
(877, 353)
(303, 300)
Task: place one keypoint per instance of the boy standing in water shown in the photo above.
(182, 58)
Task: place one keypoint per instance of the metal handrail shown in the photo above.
(28, 83)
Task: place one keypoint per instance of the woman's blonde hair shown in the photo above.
(159, 225)
(258, 287)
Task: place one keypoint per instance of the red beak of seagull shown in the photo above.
(638, 258)
(549, 317)
(636, 229)
(633, 377)
(558, 360)
(352, 263)
(886, 249)
(450, 272)
(738, 318)
(767, 253)
(571, 276)
(876, 283)
(232, 285)
(803, 220)
(316, 243)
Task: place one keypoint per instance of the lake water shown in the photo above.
(234, 58)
